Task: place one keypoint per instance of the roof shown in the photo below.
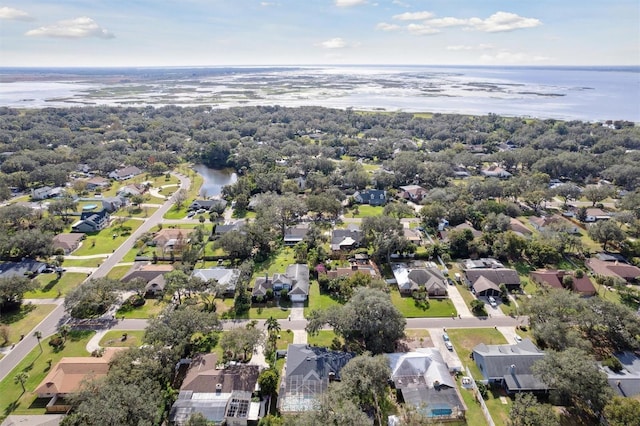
(126, 171)
(308, 369)
(69, 373)
(224, 276)
(227, 227)
(67, 241)
(296, 233)
(496, 275)
(203, 377)
(429, 278)
(483, 284)
(163, 236)
(345, 237)
(502, 360)
(518, 227)
(299, 273)
(19, 269)
(424, 367)
(627, 382)
(485, 262)
(147, 272)
(554, 279)
(613, 269)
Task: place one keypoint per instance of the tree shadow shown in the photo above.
(10, 316)
(12, 406)
(50, 285)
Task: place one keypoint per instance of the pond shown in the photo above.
(214, 180)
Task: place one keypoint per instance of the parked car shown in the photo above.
(518, 338)
(445, 337)
(448, 345)
(191, 214)
(492, 302)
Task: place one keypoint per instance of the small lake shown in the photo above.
(214, 179)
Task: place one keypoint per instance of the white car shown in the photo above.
(492, 302)
(448, 345)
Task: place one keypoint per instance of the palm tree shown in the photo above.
(273, 326)
(21, 378)
(38, 335)
(64, 331)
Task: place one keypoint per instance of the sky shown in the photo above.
(118, 33)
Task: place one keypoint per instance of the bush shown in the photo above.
(482, 390)
(477, 307)
(284, 295)
(56, 342)
(136, 300)
(613, 363)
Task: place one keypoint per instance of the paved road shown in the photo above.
(49, 325)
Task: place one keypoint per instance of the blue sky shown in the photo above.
(290, 32)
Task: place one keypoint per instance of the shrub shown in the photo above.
(56, 342)
(477, 307)
(482, 390)
(613, 363)
(284, 295)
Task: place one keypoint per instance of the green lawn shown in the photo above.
(135, 252)
(318, 300)
(117, 272)
(35, 364)
(474, 412)
(245, 214)
(176, 213)
(276, 263)
(141, 212)
(113, 338)
(465, 339)
(85, 263)
(286, 338)
(266, 312)
(25, 320)
(323, 338)
(364, 210)
(51, 287)
(104, 242)
(151, 308)
(437, 307)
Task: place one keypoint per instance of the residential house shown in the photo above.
(443, 234)
(554, 223)
(207, 204)
(295, 281)
(225, 277)
(132, 189)
(506, 276)
(617, 269)
(113, 204)
(483, 287)
(97, 183)
(42, 193)
(412, 235)
(125, 173)
(410, 280)
(346, 239)
(222, 394)
(359, 263)
(67, 242)
(625, 382)
(594, 214)
(495, 171)
(67, 376)
(413, 193)
(26, 267)
(554, 278)
(152, 274)
(519, 228)
(295, 234)
(308, 372)
(222, 229)
(172, 239)
(484, 262)
(91, 221)
(424, 381)
(373, 197)
(510, 365)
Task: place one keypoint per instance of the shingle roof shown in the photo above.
(203, 377)
(496, 275)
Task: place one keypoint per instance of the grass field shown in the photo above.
(88, 263)
(323, 338)
(151, 308)
(286, 338)
(51, 287)
(318, 300)
(113, 339)
(36, 365)
(438, 308)
(25, 320)
(364, 210)
(276, 263)
(104, 242)
(117, 272)
(465, 339)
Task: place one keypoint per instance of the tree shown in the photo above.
(176, 283)
(237, 244)
(273, 325)
(241, 340)
(622, 412)
(567, 191)
(368, 320)
(21, 378)
(268, 381)
(92, 298)
(12, 291)
(477, 307)
(575, 378)
(527, 411)
(384, 234)
(180, 197)
(597, 193)
(197, 419)
(175, 327)
(606, 231)
(333, 409)
(38, 335)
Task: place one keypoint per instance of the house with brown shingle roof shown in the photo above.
(152, 274)
(506, 276)
(67, 375)
(615, 269)
(171, 236)
(554, 278)
(519, 228)
(68, 242)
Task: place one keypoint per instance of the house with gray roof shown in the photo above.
(373, 197)
(125, 173)
(228, 278)
(510, 365)
(26, 267)
(625, 382)
(295, 234)
(91, 222)
(429, 279)
(295, 281)
(424, 381)
(309, 370)
(346, 239)
(506, 276)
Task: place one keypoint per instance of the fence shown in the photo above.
(479, 398)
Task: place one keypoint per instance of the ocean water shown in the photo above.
(580, 93)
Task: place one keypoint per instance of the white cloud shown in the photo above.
(12, 14)
(448, 22)
(507, 57)
(266, 4)
(383, 26)
(413, 16)
(334, 43)
(467, 47)
(503, 21)
(400, 3)
(349, 3)
(81, 27)
(419, 29)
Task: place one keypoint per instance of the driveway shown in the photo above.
(450, 357)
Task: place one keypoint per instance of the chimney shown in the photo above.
(332, 376)
(218, 388)
(512, 368)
